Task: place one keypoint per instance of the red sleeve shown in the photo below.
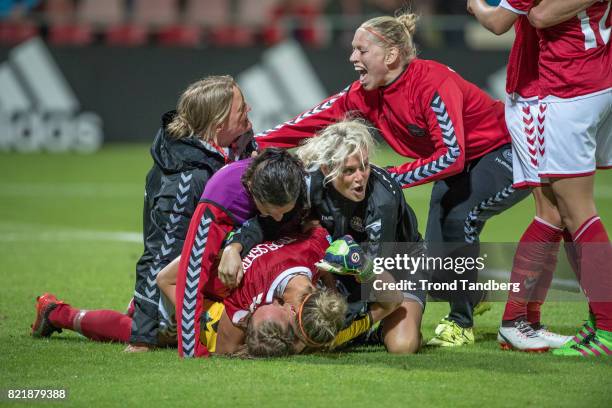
(443, 113)
(305, 125)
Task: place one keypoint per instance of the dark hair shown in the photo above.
(275, 177)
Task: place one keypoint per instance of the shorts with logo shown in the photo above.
(524, 123)
(577, 135)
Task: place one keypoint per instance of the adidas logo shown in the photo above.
(283, 85)
(38, 109)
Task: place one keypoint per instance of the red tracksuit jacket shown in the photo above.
(429, 113)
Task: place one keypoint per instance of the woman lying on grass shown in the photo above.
(276, 309)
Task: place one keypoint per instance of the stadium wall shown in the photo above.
(129, 88)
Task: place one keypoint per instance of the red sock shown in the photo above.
(63, 316)
(541, 289)
(571, 252)
(97, 325)
(531, 256)
(596, 278)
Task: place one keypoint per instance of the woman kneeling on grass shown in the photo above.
(193, 143)
(455, 132)
(269, 185)
(350, 196)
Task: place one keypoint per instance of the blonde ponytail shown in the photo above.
(179, 127)
(409, 21)
(395, 32)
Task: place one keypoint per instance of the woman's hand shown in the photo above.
(138, 348)
(230, 266)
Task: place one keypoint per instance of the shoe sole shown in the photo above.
(568, 355)
(447, 344)
(509, 347)
(555, 346)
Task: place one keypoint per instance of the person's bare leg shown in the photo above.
(546, 206)
(402, 328)
(575, 201)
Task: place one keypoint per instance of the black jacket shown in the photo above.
(382, 217)
(181, 169)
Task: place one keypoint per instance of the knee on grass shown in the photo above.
(403, 344)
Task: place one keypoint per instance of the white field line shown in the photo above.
(15, 232)
(105, 189)
(30, 233)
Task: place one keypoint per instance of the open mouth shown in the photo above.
(359, 190)
(362, 73)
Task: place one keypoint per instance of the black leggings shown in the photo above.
(459, 208)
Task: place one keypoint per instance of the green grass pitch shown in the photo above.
(70, 224)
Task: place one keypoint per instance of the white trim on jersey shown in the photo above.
(589, 35)
(297, 270)
(556, 99)
(239, 315)
(507, 6)
(604, 31)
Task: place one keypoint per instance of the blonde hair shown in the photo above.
(268, 339)
(321, 317)
(394, 32)
(336, 143)
(203, 106)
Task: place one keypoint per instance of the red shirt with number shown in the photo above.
(575, 55)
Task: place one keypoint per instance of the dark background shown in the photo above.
(131, 87)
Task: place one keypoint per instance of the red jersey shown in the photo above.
(575, 55)
(269, 266)
(522, 75)
(429, 113)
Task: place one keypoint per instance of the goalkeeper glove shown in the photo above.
(345, 257)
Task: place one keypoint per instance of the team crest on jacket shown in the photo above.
(507, 155)
(357, 224)
(416, 131)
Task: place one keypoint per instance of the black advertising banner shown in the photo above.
(120, 93)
